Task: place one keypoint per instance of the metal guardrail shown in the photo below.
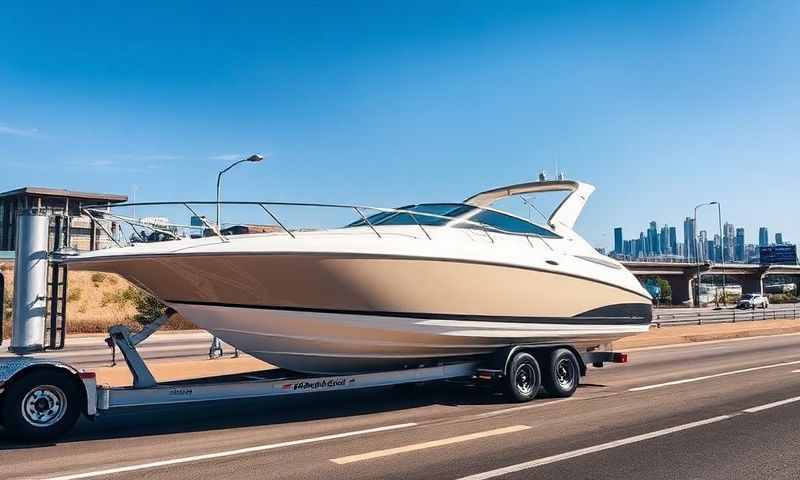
(694, 317)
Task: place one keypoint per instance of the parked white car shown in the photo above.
(753, 300)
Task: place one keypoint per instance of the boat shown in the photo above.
(396, 288)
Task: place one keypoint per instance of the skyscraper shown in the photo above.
(652, 239)
(739, 253)
(618, 240)
(673, 240)
(763, 237)
(689, 240)
(642, 245)
(728, 241)
(779, 239)
(663, 239)
(717, 257)
(703, 252)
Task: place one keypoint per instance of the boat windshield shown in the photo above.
(449, 210)
(508, 223)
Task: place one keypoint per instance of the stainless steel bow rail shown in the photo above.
(102, 212)
(677, 316)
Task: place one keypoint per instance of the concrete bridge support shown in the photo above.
(753, 283)
(682, 288)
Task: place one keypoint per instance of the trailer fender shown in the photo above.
(12, 369)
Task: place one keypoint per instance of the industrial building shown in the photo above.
(84, 234)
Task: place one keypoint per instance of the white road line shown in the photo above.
(708, 342)
(771, 405)
(432, 444)
(795, 371)
(494, 413)
(593, 449)
(229, 453)
(707, 377)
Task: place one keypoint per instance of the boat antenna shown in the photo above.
(529, 203)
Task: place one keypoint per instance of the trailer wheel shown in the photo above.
(524, 378)
(562, 373)
(41, 405)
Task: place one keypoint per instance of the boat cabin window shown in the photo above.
(449, 210)
(508, 223)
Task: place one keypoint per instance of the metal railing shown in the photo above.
(700, 317)
(102, 212)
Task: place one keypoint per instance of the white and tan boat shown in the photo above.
(402, 287)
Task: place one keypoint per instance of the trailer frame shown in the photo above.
(96, 399)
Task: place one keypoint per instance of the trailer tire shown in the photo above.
(524, 377)
(41, 406)
(562, 373)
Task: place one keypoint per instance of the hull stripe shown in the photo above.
(624, 318)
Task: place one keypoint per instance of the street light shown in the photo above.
(216, 346)
(721, 239)
(251, 158)
(722, 248)
(697, 247)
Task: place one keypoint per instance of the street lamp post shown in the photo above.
(697, 247)
(251, 158)
(216, 346)
(721, 239)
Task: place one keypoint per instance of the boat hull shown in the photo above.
(348, 313)
(325, 342)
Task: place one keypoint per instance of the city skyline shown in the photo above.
(661, 241)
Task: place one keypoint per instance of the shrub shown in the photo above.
(74, 294)
(98, 277)
(8, 303)
(148, 308)
(782, 298)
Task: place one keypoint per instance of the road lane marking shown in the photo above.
(771, 405)
(494, 413)
(432, 444)
(716, 375)
(229, 453)
(593, 449)
(795, 371)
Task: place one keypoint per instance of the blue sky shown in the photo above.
(661, 105)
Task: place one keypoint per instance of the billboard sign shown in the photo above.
(778, 254)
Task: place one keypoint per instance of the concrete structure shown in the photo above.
(85, 236)
(682, 275)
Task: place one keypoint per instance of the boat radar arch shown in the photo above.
(564, 216)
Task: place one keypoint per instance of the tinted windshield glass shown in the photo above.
(508, 223)
(448, 210)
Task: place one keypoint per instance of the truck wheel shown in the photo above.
(41, 406)
(524, 378)
(562, 373)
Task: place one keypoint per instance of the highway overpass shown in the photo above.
(681, 275)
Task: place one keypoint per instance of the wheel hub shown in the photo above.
(524, 379)
(564, 373)
(44, 405)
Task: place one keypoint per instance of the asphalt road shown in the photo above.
(691, 411)
(90, 351)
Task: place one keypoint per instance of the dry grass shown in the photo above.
(95, 301)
